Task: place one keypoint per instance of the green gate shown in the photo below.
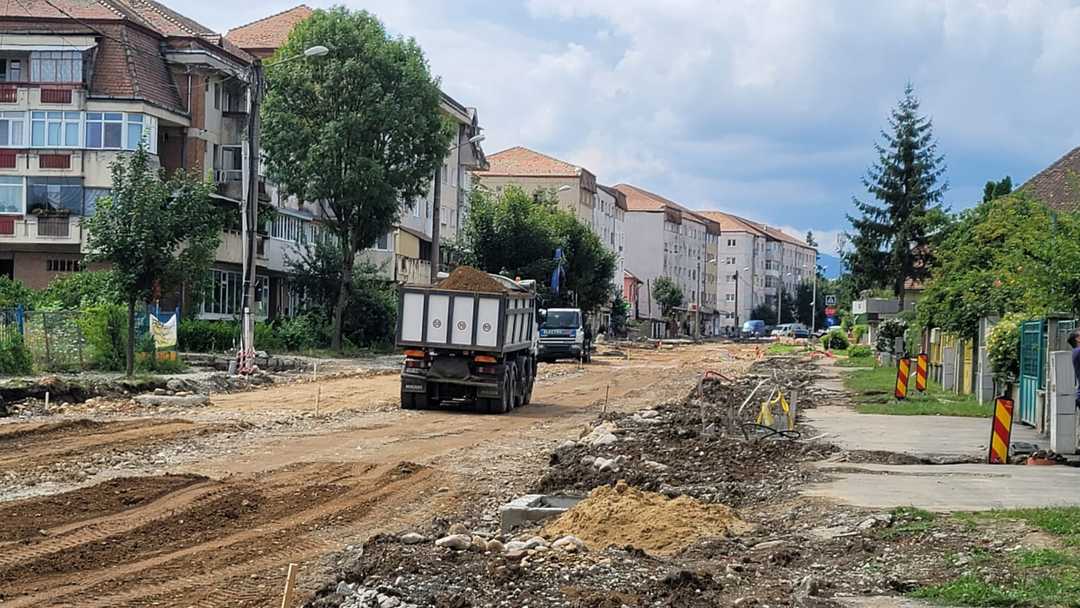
(1032, 357)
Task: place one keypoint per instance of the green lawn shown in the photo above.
(784, 349)
(1034, 578)
(857, 362)
(873, 390)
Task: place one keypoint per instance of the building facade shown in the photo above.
(668, 240)
(574, 187)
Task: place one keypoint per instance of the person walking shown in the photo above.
(1074, 342)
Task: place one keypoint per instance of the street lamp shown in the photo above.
(249, 212)
(436, 205)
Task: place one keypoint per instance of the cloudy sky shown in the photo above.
(768, 109)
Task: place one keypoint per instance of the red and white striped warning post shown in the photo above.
(1001, 431)
(903, 374)
(921, 365)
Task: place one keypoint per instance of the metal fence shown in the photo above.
(57, 340)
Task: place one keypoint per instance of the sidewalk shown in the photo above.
(942, 487)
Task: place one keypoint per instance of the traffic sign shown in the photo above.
(831, 321)
(830, 300)
(830, 311)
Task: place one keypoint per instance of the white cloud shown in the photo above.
(768, 108)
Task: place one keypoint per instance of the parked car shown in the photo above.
(798, 330)
(753, 329)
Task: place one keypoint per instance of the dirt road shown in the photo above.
(220, 528)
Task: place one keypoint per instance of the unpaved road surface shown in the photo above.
(264, 481)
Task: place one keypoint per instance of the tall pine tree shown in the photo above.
(892, 240)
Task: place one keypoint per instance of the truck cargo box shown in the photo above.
(436, 318)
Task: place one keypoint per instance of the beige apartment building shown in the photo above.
(575, 187)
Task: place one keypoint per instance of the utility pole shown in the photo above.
(738, 328)
(435, 253)
(250, 217)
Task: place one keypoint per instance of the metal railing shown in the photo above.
(32, 228)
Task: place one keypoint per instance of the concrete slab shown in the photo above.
(924, 436)
(883, 602)
(963, 487)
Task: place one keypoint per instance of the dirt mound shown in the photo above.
(467, 278)
(626, 516)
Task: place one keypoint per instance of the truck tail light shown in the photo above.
(485, 359)
(415, 354)
(416, 364)
(489, 370)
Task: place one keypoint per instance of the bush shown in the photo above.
(836, 339)
(888, 331)
(857, 333)
(82, 290)
(104, 329)
(1003, 347)
(200, 336)
(305, 332)
(266, 338)
(860, 351)
(13, 293)
(15, 358)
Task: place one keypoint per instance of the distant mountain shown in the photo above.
(832, 265)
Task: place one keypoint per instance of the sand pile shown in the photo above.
(466, 278)
(625, 515)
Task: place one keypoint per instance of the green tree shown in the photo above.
(763, 312)
(357, 132)
(155, 233)
(999, 189)
(810, 239)
(1011, 254)
(516, 234)
(668, 295)
(620, 312)
(891, 241)
(804, 305)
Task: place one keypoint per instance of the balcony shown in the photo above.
(61, 230)
(230, 183)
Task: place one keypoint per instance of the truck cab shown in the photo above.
(563, 335)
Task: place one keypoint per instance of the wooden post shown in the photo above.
(290, 583)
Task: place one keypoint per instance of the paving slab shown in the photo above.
(923, 436)
(945, 488)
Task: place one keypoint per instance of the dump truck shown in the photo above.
(470, 338)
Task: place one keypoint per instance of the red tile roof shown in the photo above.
(1058, 186)
(268, 33)
(523, 162)
(732, 223)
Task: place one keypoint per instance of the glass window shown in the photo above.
(134, 131)
(54, 129)
(56, 66)
(56, 194)
(11, 195)
(90, 197)
(12, 125)
(11, 70)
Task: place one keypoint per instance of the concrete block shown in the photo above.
(533, 508)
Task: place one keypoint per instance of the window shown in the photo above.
(227, 290)
(731, 242)
(55, 129)
(61, 265)
(56, 66)
(12, 126)
(217, 95)
(11, 70)
(11, 195)
(287, 228)
(120, 131)
(56, 194)
(90, 198)
(383, 243)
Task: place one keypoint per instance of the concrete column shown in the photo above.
(1061, 394)
(948, 368)
(984, 380)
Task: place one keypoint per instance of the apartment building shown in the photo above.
(757, 264)
(609, 223)
(575, 187)
(84, 82)
(668, 240)
(404, 253)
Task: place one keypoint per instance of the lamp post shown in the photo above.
(249, 212)
(437, 203)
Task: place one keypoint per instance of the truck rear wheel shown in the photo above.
(509, 398)
(530, 381)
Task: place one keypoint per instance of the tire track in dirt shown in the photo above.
(132, 565)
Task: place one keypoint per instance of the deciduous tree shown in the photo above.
(156, 233)
(357, 132)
